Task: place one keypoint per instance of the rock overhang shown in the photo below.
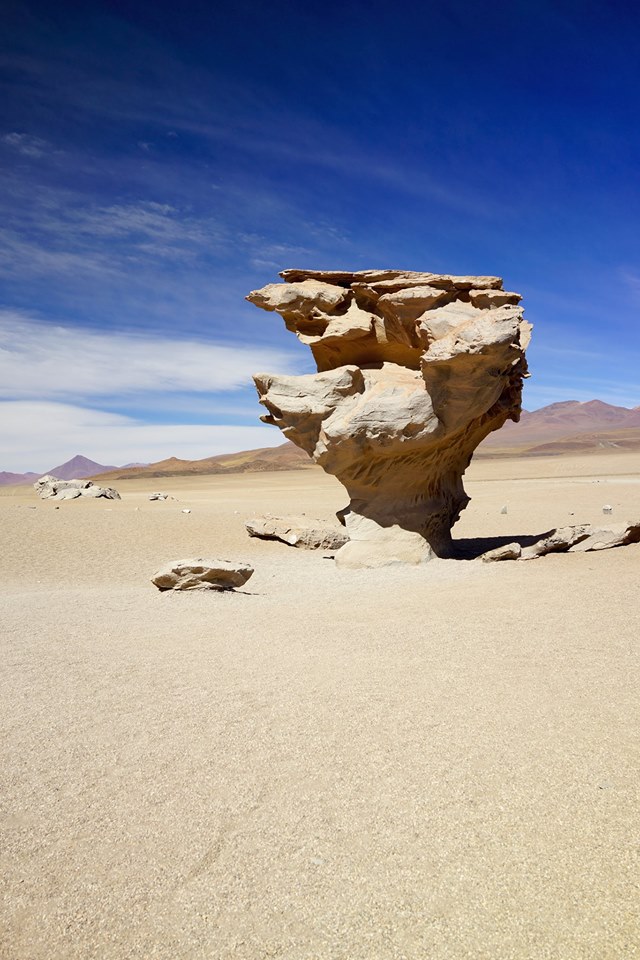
(414, 370)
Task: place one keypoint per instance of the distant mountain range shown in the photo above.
(285, 457)
(560, 428)
(7, 478)
(568, 427)
(77, 468)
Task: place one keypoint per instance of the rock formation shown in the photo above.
(414, 370)
(582, 538)
(298, 532)
(51, 488)
(202, 574)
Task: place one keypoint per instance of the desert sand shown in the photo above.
(410, 762)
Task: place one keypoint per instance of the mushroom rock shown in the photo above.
(414, 371)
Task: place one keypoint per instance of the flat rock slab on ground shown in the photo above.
(582, 538)
(617, 535)
(202, 574)
(298, 531)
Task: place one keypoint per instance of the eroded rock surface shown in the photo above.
(576, 539)
(510, 551)
(50, 488)
(200, 573)
(414, 370)
(299, 531)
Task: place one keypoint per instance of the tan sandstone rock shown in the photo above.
(582, 538)
(299, 531)
(618, 535)
(202, 574)
(414, 370)
(509, 551)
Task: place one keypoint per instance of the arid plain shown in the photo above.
(409, 762)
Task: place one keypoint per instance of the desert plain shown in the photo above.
(410, 762)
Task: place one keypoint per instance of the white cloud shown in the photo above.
(46, 361)
(58, 235)
(25, 144)
(152, 227)
(38, 435)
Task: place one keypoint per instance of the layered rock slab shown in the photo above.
(298, 531)
(200, 573)
(581, 538)
(414, 370)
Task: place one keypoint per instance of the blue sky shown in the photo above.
(158, 163)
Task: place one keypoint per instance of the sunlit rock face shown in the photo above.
(414, 370)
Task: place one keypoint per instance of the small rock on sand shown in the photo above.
(510, 551)
(201, 573)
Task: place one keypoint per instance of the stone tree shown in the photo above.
(414, 370)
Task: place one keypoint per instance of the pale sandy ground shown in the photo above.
(407, 763)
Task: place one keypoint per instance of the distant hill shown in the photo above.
(7, 478)
(628, 438)
(285, 457)
(566, 427)
(77, 468)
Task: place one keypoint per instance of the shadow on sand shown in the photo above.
(471, 548)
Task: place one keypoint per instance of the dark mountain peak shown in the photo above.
(78, 467)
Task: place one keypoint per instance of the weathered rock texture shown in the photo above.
(299, 532)
(414, 370)
(582, 538)
(202, 574)
(51, 488)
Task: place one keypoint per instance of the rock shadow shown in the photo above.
(470, 548)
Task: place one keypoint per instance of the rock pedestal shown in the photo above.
(414, 370)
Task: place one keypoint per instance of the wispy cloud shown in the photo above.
(26, 144)
(35, 435)
(631, 279)
(60, 233)
(50, 361)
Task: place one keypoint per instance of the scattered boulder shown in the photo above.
(510, 551)
(51, 488)
(69, 493)
(556, 541)
(579, 539)
(202, 574)
(298, 531)
(93, 490)
(619, 535)
(607, 508)
(161, 496)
